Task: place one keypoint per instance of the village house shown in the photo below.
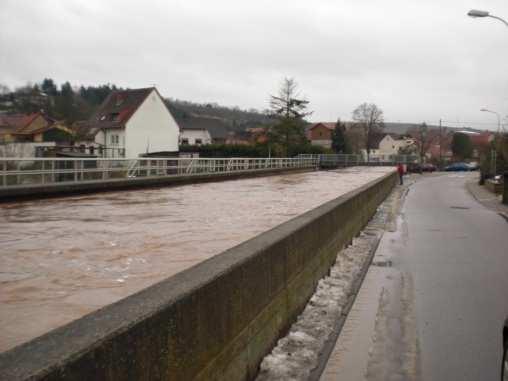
(216, 127)
(131, 123)
(479, 140)
(29, 135)
(392, 144)
(195, 136)
(320, 134)
(258, 135)
(35, 128)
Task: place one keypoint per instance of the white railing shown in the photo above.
(346, 160)
(26, 172)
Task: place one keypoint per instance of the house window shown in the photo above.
(115, 139)
(185, 141)
(199, 141)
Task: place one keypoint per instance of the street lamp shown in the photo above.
(475, 13)
(498, 118)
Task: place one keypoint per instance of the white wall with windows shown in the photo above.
(195, 137)
(112, 141)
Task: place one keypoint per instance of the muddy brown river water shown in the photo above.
(63, 258)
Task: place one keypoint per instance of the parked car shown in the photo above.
(419, 168)
(414, 168)
(428, 167)
(474, 166)
(458, 167)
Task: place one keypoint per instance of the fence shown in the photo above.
(23, 172)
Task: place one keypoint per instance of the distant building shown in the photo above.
(131, 123)
(238, 138)
(389, 144)
(480, 140)
(31, 135)
(320, 134)
(34, 128)
(195, 136)
(392, 144)
(216, 127)
(258, 135)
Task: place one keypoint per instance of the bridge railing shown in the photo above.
(346, 160)
(15, 172)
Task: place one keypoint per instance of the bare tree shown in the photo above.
(289, 109)
(424, 138)
(370, 118)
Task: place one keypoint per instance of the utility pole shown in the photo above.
(440, 144)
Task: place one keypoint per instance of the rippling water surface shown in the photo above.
(62, 258)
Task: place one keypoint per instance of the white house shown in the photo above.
(195, 136)
(131, 123)
(391, 145)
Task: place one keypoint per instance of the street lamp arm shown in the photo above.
(499, 18)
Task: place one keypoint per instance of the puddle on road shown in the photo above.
(63, 258)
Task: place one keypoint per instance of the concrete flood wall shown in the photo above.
(214, 321)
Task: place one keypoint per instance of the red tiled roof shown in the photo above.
(329, 125)
(481, 139)
(118, 107)
(18, 123)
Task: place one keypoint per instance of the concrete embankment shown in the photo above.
(14, 193)
(216, 320)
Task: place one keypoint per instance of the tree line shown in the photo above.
(64, 102)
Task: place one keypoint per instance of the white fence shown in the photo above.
(23, 172)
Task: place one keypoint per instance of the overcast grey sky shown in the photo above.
(418, 60)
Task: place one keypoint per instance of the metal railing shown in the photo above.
(23, 172)
(346, 160)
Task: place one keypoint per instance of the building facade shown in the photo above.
(198, 136)
(132, 123)
(320, 134)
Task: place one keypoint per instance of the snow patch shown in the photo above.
(297, 354)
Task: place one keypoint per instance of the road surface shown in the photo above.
(439, 284)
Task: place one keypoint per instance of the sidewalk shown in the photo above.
(486, 198)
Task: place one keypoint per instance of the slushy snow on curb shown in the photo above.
(297, 354)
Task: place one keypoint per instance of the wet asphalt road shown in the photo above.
(457, 253)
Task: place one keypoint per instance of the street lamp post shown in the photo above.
(493, 153)
(498, 118)
(475, 13)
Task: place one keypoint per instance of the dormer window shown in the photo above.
(114, 116)
(119, 100)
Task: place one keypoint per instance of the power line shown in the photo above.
(466, 122)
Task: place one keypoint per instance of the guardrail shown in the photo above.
(23, 172)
